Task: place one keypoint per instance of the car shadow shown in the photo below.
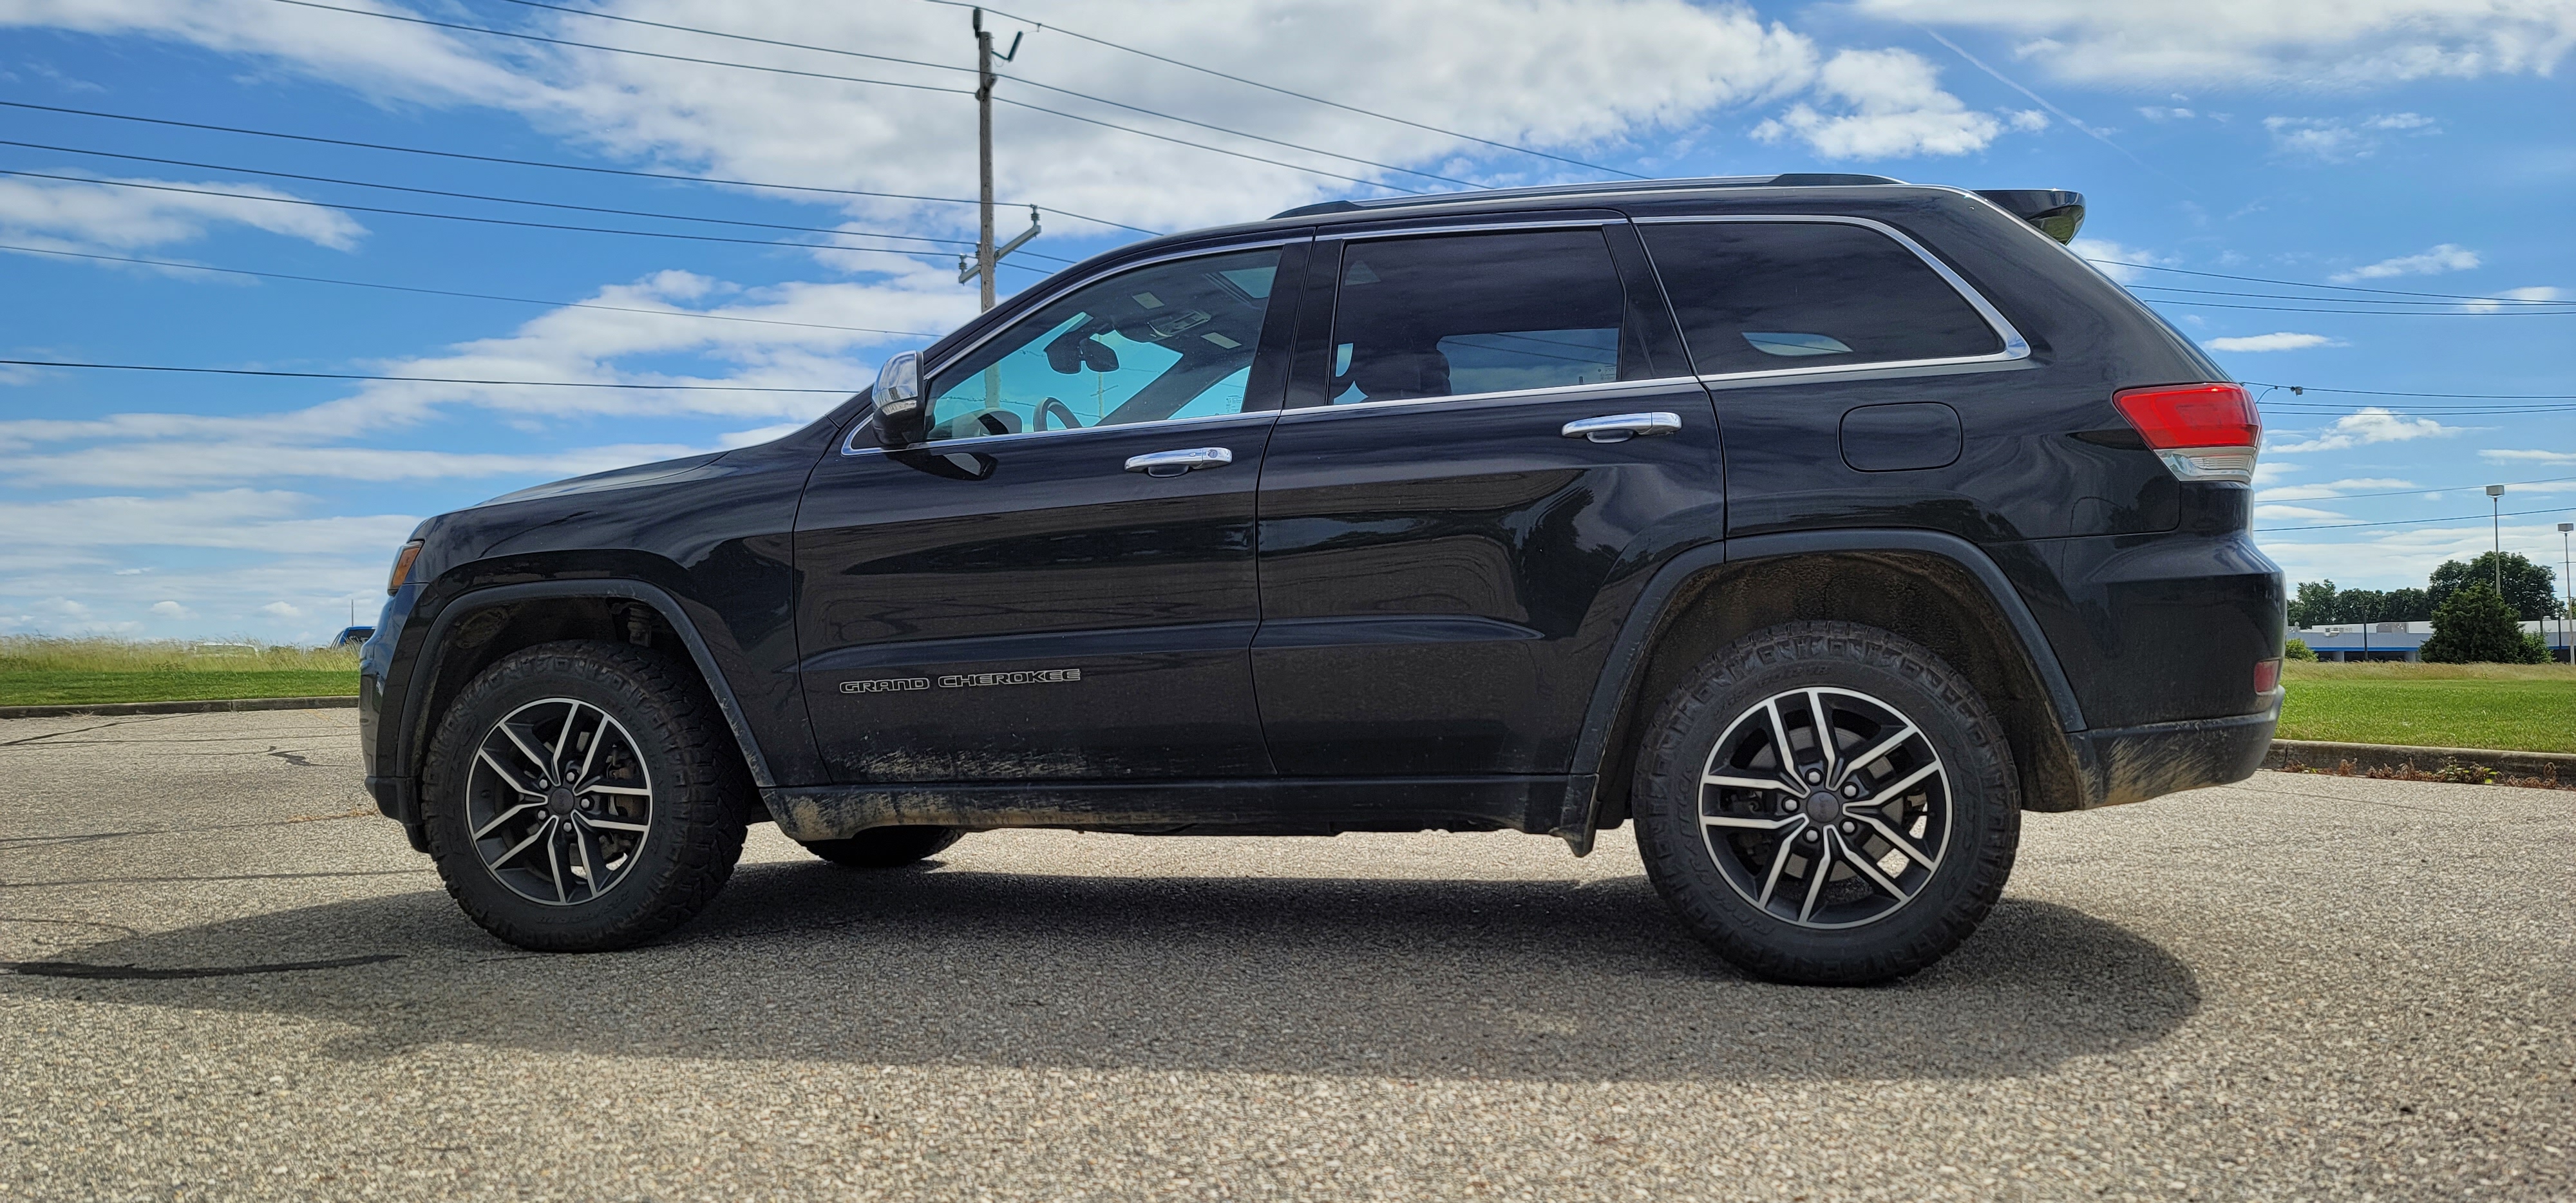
(1525, 980)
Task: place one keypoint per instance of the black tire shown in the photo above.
(886, 847)
(1708, 846)
(658, 848)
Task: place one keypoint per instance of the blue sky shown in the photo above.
(2419, 146)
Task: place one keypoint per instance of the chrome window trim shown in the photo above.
(2015, 346)
(1087, 281)
(1606, 387)
(943, 446)
(1482, 227)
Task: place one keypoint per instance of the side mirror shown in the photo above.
(900, 408)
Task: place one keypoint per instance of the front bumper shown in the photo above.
(2133, 764)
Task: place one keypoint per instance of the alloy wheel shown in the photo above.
(559, 802)
(1825, 807)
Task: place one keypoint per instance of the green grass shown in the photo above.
(2523, 708)
(38, 671)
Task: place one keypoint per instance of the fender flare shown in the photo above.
(476, 600)
(1619, 673)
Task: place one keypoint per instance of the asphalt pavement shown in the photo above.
(229, 980)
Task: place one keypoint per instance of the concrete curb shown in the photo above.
(204, 707)
(2318, 754)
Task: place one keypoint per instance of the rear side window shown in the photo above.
(1457, 314)
(1754, 296)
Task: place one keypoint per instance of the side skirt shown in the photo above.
(1293, 806)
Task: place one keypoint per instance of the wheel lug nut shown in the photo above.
(1811, 835)
(1851, 791)
(1813, 776)
(1850, 827)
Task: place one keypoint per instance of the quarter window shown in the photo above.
(1478, 313)
(1763, 295)
(1170, 341)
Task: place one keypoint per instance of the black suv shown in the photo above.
(1818, 524)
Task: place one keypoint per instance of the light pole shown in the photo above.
(2569, 610)
(2495, 524)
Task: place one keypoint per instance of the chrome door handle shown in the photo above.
(1174, 463)
(1619, 428)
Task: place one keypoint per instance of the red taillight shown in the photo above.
(2201, 431)
(2267, 675)
(2192, 415)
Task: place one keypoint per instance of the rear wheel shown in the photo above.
(886, 847)
(1828, 803)
(582, 796)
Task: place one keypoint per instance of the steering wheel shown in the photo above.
(1053, 406)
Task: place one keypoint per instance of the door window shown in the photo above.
(1456, 314)
(1753, 296)
(1174, 340)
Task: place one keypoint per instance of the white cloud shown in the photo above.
(2334, 140)
(2381, 558)
(2448, 257)
(64, 215)
(2540, 293)
(192, 451)
(2280, 340)
(172, 610)
(2165, 113)
(239, 519)
(282, 610)
(2370, 424)
(2337, 488)
(1896, 109)
(2530, 457)
(2297, 513)
(2319, 44)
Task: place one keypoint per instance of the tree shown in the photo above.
(2313, 605)
(2529, 589)
(2408, 605)
(2474, 626)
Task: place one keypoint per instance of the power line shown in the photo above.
(2394, 292)
(2283, 296)
(888, 83)
(2361, 312)
(2406, 492)
(489, 221)
(1019, 79)
(1348, 108)
(441, 292)
(508, 200)
(2267, 530)
(2365, 392)
(649, 175)
(145, 367)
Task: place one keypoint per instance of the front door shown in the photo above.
(1492, 438)
(1057, 584)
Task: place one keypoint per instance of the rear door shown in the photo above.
(1445, 553)
(1058, 583)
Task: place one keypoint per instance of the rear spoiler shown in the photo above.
(2057, 213)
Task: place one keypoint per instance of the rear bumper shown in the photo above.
(2133, 764)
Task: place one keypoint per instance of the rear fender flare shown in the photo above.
(1621, 674)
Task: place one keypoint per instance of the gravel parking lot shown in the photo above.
(2301, 987)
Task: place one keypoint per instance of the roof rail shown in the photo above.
(1788, 180)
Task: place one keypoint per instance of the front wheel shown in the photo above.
(1828, 803)
(583, 796)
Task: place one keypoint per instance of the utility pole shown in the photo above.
(988, 256)
(2495, 524)
(984, 154)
